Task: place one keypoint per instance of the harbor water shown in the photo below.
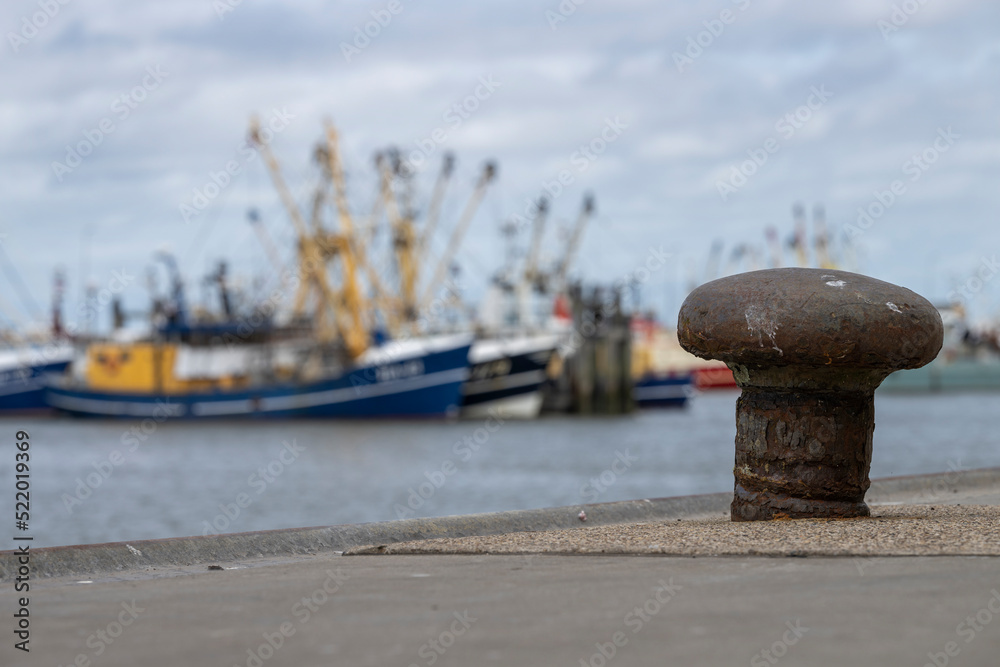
(101, 481)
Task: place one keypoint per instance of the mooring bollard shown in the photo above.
(808, 348)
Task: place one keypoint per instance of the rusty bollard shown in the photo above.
(808, 347)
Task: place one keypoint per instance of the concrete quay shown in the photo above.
(540, 606)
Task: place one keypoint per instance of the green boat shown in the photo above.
(969, 361)
(964, 374)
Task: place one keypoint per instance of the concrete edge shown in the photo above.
(94, 559)
(97, 559)
(932, 487)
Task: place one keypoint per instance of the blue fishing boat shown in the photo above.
(666, 390)
(417, 378)
(23, 373)
(661, 376)
(326, 335)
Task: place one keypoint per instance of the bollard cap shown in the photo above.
(810, 317)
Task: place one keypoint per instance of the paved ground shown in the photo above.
(544, 610)
(529, 610)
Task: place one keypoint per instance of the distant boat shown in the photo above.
(661, 391)
(23, 372)
(663, 374)
(967, 362)
(416, 378)
(712, 374)
(506, 375)
(943, 375)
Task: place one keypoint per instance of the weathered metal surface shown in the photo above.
(808, 347)
(811, 317)
(802, 453)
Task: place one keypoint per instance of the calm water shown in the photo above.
(173, 482)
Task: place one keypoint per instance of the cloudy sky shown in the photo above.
(704, 121)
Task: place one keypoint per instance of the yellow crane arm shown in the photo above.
(367, 232)
(334, 171)
(274, 170)
(310, 257)
(402, 242)
(356, 336)
(279, 182)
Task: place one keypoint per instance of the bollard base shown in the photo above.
(760, 506)
(802, 453)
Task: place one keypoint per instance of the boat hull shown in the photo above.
(944, 376)
(422, 385)
(506, 377)
(671, 390)
(22, 388)
(714, 377)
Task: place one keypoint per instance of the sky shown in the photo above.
(691, 123)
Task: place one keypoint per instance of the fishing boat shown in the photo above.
(507, 375)
(946, 375)
(670, 389)
(332, 340)
(661, 371)
(419, 378)
(29, 355)
(710, 374)
(518, 364)
(24, 370)
(969, 360)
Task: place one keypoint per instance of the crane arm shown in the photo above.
(357, 245)
(434, 208)
(356, 335)
(311, 259)
(586, 211)
(537, 231)
(489, 172)
(279, 181)
(402, 242)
